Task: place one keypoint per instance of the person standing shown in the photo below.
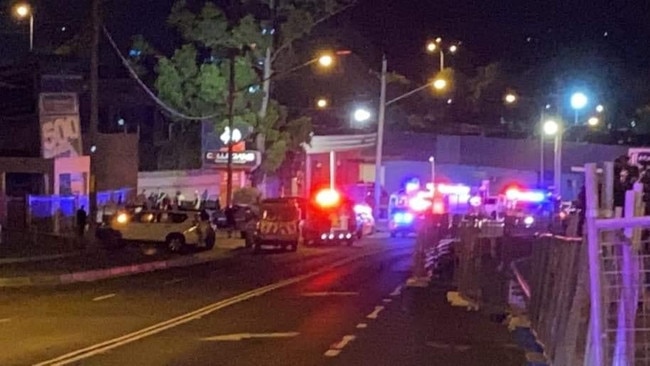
(82, 220)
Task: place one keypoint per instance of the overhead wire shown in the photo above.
(174, 112)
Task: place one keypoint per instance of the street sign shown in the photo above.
(248, 159)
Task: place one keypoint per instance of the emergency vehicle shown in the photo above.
(330, 219)
(408, 207)
(279, 224)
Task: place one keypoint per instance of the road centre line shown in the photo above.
(102, 347)
(396, 291)
(336, 349)
(375, 313)
(362, 325)
(100, 298)
(5, 320)
(387, 300)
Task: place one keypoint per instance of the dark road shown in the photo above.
(305, 308)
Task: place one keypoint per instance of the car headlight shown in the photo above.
(122, 218)
(529, 220)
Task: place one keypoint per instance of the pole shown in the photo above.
(31, 32)
(94, 108)
(442, 59)
(541, 149)
(432, 160)
(593, 250)
(557, 163)
(307, 180)
(332, 170)
(231, 117)
(380, 136)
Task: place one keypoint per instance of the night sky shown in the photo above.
(489, 30)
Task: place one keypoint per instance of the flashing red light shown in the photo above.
(328, 198)
(438, 207)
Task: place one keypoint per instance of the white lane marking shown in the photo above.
(362, 325)
(387, 300)
(375, 313)
(5, 320)
(110, 344)
(332, 352)
(344, 342)
(243, 336)
(334, 293)
(100, 298)
(396, 291)
(175, 280)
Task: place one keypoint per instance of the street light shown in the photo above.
(593, 121)
(600, 108)
(361, 115)
(23, 11)
(510, 98)
(579, 100)
(436, 45)
(551, 128)
(322, 103)
(326, 60)
(440, 84)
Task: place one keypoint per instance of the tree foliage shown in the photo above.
(195, 79)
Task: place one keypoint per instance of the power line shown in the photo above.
(148, 91)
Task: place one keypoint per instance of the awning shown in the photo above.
(337, 143)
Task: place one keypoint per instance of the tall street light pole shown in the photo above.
(94, 107)
(380, 135)
(231, 127)
(23, 11)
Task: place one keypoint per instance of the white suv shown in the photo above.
(177, 229)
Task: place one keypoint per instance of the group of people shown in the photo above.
(161, 201)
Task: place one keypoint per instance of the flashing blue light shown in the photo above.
(135, 52)
(403, 218)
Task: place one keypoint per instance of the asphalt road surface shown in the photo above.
(304, 308)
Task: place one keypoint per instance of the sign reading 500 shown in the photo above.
(60, 136)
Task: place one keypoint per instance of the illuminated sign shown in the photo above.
(248, 159)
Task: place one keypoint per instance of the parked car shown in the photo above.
(177, 229)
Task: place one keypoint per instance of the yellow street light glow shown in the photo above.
(438, 40)
(453, 48)
(510, 98)
(326, 60)
(593, 121)
(431, 47)
(23, 10)
(551, 127)
(440, 84)
(322, 103)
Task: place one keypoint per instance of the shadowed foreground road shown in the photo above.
(305, 308)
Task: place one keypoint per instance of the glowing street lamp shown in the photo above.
(23, 11)
(322, 103)
(579, 100)
(593, 121)
(510, 98)
(435, 46)
(326, 60)
(361, 115)
(551, 128)
(440, 84)
(600, 108)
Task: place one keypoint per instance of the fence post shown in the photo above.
(593, 247)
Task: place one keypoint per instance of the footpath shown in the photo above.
(42, 265)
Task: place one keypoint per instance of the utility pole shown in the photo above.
(94, 107)
(231, 117)
(380, 135)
